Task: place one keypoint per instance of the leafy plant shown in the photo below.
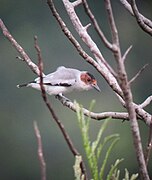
(94, 150)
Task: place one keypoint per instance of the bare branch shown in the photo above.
(113, 27)
(40, 151)
(53, 114)
(76, 3)
(126, 53)
(149, 145)
(82, 31)
(128, 7)
(96, 25)
(96, 116)
(143, 114)
(138, 74)
(146, 102)
(20, 58)
(21, 51)
(139, 18)
(145, 23)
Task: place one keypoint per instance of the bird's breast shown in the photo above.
(54, 90)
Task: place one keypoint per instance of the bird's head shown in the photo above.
(89, 81)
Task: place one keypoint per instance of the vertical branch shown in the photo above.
(40, 152)
(114, 31)
(149, 145)
(51, 110)
(124, 84)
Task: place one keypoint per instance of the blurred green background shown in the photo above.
(20, 107)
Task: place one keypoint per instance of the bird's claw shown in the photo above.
(62, 98)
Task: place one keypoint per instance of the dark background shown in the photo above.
(20, 107)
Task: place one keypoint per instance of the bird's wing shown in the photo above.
(61, 77)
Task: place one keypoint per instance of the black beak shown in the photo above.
(95, 86)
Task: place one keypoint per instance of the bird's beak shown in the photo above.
(96, 87)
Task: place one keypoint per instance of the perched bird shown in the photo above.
(64, 80)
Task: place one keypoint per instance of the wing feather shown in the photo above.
(61, 77)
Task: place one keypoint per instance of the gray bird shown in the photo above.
(64, 80)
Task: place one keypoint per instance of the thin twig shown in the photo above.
(113, 27)
(146, 102)
(138, 74)
(40, 151)
(56, 119)
(96, 25)
(126, 53)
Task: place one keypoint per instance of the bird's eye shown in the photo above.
(89, 80)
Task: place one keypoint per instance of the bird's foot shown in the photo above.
(62, 98)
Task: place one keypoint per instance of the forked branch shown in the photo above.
(139, 18)
(96, 25)
(144, 22)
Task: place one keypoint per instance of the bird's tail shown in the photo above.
(22, 85)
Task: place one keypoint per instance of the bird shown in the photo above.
(64, 80)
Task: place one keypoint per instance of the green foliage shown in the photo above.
(114, 172)
(133, 177)
(94, 150)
